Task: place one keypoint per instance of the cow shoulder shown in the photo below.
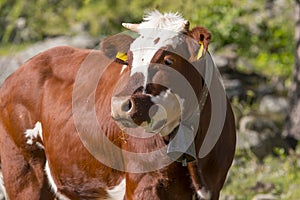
(61, 63)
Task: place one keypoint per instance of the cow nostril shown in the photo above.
(127, 106)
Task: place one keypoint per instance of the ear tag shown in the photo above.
(121, 56)
(200, 52)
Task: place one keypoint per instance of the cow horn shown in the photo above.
(186, 24)
(133, 27)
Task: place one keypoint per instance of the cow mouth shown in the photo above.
(169, 137)
(154, 126)
(150, 127)
(126, 123)
(159, 125)
(155, 114)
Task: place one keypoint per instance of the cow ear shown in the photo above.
(203, 37)
(117, 46)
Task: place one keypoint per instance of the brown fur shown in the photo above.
(41, 90)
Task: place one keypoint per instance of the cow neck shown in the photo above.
(203, 98)
(206, 81)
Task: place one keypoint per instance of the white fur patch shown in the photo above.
(156, 31)
(2, 187)
(204, 194)
(53, 185)
(32, 135)
(170, 21)
(123, 68)
(50, 179)
(173, 107)
(118, 192)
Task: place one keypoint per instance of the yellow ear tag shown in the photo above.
(121, 56)
(200, 52)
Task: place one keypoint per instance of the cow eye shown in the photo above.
(168, 61)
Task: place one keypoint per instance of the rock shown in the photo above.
(2, 189)
(226, 58)
(234, 88)
(2, 196)
(220, 61)
(244, 82)
(264, 197)
(9, 64)
(262, 187)
(21, 23)
(260, 135)
(273, 104)
(227, 197)
(258, 124)
(245, 64)
(264, 89)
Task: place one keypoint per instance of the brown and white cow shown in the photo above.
(77, 124)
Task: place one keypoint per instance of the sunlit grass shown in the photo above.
(8, 49)
(279, 176)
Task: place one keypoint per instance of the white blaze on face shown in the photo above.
(157, 31)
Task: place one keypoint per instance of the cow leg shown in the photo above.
(207, 178)
(169, 183)
(198, 181)
(23, 169)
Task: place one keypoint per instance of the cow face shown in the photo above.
(155, 94)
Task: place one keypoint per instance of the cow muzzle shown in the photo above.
(157, 114)
(121, 107)
(137, 110)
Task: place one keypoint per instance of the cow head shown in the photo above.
(162, 86)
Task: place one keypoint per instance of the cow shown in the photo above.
(143, 117)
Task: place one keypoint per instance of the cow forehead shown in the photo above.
(156, 31)
(144, 47)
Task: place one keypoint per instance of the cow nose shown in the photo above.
(121, 106)
(126, 105)
(131, 111)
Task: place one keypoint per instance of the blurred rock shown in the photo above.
(260, 135)
(238, 83)
(226, 58)
(261, 187)
(264, 89)
(227, 197)
(264, 197)
(234, 88)
(2, 196)
(258, 124)
(273, 104)
(220, 61)
(20, 23)
(2, 189)
(280, 85)
(245, 64)
(9, 64)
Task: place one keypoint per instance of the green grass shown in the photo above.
(279, 176)
(10, 48)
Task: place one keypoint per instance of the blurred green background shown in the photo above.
(265, 38)
(257, 32)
